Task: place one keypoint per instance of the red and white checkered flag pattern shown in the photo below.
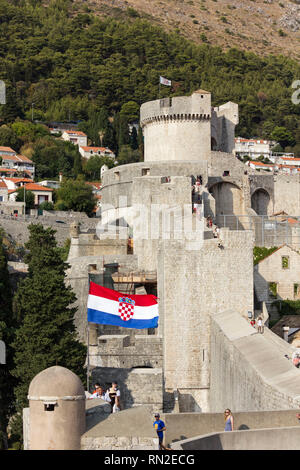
(126, 308)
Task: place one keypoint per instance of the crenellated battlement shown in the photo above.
(182, 108)
(175, 117)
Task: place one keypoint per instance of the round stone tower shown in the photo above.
(177, 129)
(56, 410)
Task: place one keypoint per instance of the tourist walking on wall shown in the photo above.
(228, 420)
(160, 427)
(259, 325)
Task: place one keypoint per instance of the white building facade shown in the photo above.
(88, 152)
(253, 148)
(76, 137)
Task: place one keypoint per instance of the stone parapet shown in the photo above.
(194, 107)
(119, 443)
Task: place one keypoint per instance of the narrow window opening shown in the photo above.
(273, 290)
(49, 407)
(285, 262)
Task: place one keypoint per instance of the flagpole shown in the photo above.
(88, 348)
(88, 358)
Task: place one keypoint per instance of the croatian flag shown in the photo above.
(109, 307)
(165, 81)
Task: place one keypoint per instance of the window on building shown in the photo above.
(272, 290)
(145, 171)
(165, 179)
(117, 175)
(49, 406)
(296, 291)
(285, 262)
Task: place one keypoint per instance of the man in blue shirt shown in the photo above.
(160, 427)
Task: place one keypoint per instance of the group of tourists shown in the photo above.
(196, 193)
(112, 395)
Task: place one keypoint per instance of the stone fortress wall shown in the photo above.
(214, 278)
(117, 187)
(17, 228)
(204, 356)
(199, 279)
(235, 193)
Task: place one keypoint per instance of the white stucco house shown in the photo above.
(88, 152)
(3, 191)
(16, 162)
(41, 193)
(278, 275)
(76, 137)
(253, 148)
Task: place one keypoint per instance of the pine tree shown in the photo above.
(6, 334)
(77, 164)
(134, 139)
(140, 143)
(43, 304)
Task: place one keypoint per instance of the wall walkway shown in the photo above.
(262, 439)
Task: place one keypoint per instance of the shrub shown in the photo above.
(261, 252)
(47, 206)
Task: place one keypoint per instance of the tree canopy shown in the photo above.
(75, 195)
(64, 66)
(7, 382)
(44, 306)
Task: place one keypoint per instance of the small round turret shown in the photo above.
(74, 229)
(56, 410)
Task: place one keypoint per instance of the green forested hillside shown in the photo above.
(64, 66)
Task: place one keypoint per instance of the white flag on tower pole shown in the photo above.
(165, 81)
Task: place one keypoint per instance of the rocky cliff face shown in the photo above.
(261, 26)
(291, 18)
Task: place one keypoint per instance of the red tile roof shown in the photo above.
(14, 170)
(95, 184)
(9, 170)
(250, 140)
(2, 184)
(261, 164)
(96, 149)
(19, 180)
(36, 187)
(16, 158)
(32, 187)
(6, 149)
(76, 133)
(290, 158)
(292, 167)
